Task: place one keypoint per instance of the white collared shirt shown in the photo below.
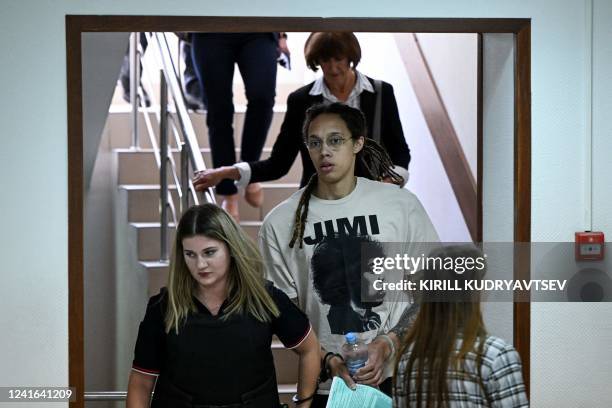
(361, 84)
(319, 88)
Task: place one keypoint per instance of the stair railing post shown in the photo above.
(134, 82)
(163, 169)
(184, 177)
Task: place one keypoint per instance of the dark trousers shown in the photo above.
(214, 56)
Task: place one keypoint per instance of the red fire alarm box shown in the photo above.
(589, 246)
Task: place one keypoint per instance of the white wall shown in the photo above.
(102, 55)
(33, 169)
(98, 277)
(576, 339)
(498, 158)
(428, 178)
(453, 62)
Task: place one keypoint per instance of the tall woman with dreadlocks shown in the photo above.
(336, 204)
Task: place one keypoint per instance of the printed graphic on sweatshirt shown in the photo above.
(360, 225)
(337, 275)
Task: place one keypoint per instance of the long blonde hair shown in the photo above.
(442, 320)
(247, 291)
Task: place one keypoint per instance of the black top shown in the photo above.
(290, 140)
(213, 360)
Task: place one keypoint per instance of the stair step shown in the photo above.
(275, 194)
(283, 89)
(139, 166)
(251, 228)
(119, 126)
(149, 237)
(144, 201)
(158, 275)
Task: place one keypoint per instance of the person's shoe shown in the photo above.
(126, 97)
(230, 204)
(193, 103)
(193, 94)
(124, 79)
(254, 195)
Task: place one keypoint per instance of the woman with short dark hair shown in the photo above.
(327, 45)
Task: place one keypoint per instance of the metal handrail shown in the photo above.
(158, 154)
(97, 396)
(189, 135)
(162, 152)
(162, 55)
(136, 53)
(134, 85)
(105, 396)
(165, 60)
(163, 177)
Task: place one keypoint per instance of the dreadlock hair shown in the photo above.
(372, 161)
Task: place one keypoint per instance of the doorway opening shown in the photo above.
(519, 28)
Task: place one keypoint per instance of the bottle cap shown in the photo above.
(351, 338)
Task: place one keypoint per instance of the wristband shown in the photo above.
(323, 374)
(297, 401)
(326, 362)
(325, 370)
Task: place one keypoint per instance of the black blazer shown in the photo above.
(289, 141)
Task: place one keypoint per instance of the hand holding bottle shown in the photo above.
(371, 372)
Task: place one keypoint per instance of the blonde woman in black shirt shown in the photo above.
(205, 340)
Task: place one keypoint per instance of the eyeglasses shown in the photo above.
(334, 143)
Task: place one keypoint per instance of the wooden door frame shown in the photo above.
(78, 24)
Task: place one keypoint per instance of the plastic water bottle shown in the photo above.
(354, 352)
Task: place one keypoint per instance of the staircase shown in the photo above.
(137, 204)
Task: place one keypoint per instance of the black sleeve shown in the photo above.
(392, 135)
(292, 325)
(286, 146)
(150, 344)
